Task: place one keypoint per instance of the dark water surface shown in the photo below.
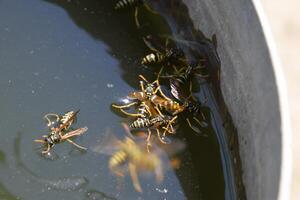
(60, 55)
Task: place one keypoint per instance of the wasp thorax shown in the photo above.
(54, 125)
(149, 90)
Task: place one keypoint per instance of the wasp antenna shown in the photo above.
(127, 129)
(77, 112)
(40, 141)
(144, 79)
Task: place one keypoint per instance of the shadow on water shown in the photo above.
(6, 195)
(65, 184)
(117, 30)
(196, 44)
(210, 156)
(2, 157)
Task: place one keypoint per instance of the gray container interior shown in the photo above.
(253, 91)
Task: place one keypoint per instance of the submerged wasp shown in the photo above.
(60, 131)
(130, 155)
(137, 159)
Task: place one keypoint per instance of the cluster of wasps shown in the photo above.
(155, 114)
(150, 111)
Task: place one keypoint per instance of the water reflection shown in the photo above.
(96, 195)
(2, 157)
(6, 195)
(65, 183)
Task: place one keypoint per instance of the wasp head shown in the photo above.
(150, 89)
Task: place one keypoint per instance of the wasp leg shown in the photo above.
(159, 136)
(201, 123)
(40, 141)
(134, 177)
(150, 9)
(124, 106)
(175, 69)
(47, 150)
(148, 142)
(144, 79)
(142, 86)
(191, 92)
(77, 145)
(51, 114)
(159, 175)
(136, 13)
(160, 91)
(131, 114)
(160, 72)
(192, 127)
(202, 76)
(167, 76)
(157, 110)
(149, 45)
(169, 128)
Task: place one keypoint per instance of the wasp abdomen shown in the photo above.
(117, 159)
(126, 3)
(141, 123)
(153, 58)
(66, 119)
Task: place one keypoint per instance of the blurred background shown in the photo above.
(284, 19)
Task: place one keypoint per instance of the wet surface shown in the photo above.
(65, 55)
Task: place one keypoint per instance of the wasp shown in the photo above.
(158, 123)
(122, 4)
(130, 153)
(137, 159)
(163, 54)
(149, 116)
(59, 134)
(127, 3)
(187, 100)
(152, 95)
(168, 57)
(65, 120)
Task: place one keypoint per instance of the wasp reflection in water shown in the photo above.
(131, 154)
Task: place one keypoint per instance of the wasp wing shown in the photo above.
(76, 132)
(136, 95)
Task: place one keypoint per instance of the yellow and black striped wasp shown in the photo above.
(181, 90)
(154, 120)
(164, 54)
(150, 93)
(138, 160)
(130, 155)
(60, 131)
